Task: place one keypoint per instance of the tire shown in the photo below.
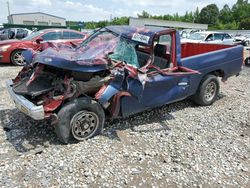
(207, 91)
(247, 61)
(246, 43)
(17, 58)
(80, 119)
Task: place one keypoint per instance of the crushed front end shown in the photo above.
(95, 75)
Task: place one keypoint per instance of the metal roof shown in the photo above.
(37, 13)
(165, 23)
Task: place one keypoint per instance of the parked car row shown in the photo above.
(14, 33)
(196, 36)
(11, 50)
(209, 37)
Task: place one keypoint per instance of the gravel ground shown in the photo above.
(178, 145)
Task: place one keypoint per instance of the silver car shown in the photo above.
(209, 37)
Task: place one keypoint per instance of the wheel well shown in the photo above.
(219, 73)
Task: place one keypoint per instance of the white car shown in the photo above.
(209, 37)
(185, 33)
(243, 39)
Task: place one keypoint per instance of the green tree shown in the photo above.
(144, 15)
(209, 14)
(120, 21)
(241, 10)
(196, 15)
(245, 24)
(226, 15)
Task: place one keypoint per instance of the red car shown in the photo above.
(11, 50)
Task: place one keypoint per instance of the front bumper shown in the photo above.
(24, 105)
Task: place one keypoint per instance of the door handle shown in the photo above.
(183, 84)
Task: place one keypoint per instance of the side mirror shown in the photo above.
(39, 40)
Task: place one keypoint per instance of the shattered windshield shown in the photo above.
(105, 44)
(197, 36)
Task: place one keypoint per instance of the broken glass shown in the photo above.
(125, 52)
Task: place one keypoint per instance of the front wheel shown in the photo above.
(79, 119)
(17, 58)
(208, 91)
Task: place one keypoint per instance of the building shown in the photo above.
(165, 23)
(36, 18)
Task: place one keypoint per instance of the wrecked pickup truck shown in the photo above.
(116, 72)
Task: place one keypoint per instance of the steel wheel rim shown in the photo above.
(84, 124)
(210, 91)
(18, 58)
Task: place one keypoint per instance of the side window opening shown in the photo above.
(162, 52)
(210, 37)
(52, 36)
(66, 35)
(142, 54)
(74, 35)
(227, 36)
(218, 36)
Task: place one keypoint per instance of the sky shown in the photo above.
(94, 10)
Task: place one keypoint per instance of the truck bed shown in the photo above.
(224, 60)
(191, 49)
(213, 57)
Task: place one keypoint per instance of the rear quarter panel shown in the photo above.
(228, 60)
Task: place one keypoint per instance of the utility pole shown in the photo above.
(8, 6)
(111, 18)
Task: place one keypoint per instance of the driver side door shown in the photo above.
(165, 83)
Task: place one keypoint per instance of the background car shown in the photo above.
(14, 33)
(11, 50)
(243, 39)
(247, 60)
(185, 33)
(209, 37)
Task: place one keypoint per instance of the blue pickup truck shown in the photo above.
(116, 72)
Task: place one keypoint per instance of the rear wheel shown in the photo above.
(208, 91)
(17, 58)
(80, 119)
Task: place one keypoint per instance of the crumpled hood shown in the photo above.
(68, 58)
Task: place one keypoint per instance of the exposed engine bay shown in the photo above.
(44, 85)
